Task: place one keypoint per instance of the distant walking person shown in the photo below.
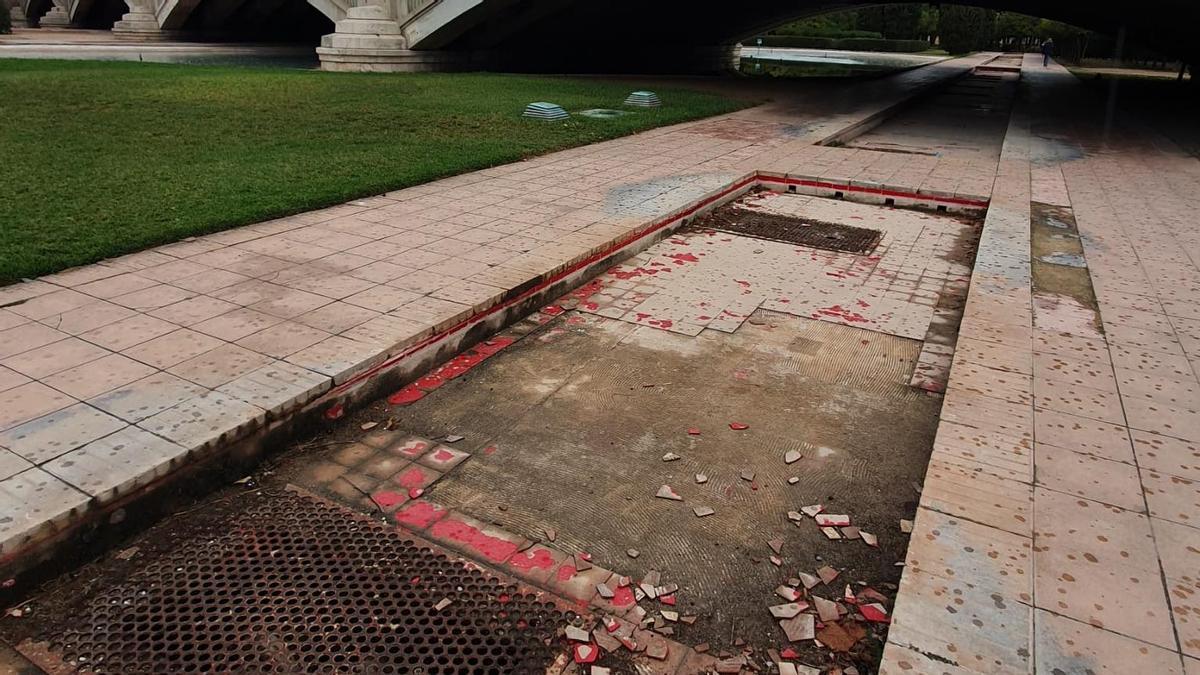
(1047, 51)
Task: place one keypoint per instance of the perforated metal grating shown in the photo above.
(791, 230)
(299, 586)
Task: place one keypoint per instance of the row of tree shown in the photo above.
(956, 29)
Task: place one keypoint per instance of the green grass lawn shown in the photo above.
(106, 158)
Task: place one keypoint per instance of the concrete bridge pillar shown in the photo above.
(367, 39)
(139, 23)
(57, 16)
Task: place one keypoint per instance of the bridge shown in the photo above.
(546, 35)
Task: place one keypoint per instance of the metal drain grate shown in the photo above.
(298, 586)
(792, 230)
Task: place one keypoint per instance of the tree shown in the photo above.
(1015, 30)
(902, 22)
(965, 29)
(927, 27)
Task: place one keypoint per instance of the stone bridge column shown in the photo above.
(17, 12)
(139, 23)
(367, 39)
(57, 16)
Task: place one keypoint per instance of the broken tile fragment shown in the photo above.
(702, 511)
(870, 539)
(827, 574)
(812, 510)
(701, 479)
(906, 526)
(791, 456)
(795, 516)
(693, 431)
(665, 492)
(670, 615)
(442, 604)
(648, 590)
(830, 533)
(793, 480)
(841, 638)
(850, 532)
(671, 457)
(874, 612)
(827, 610)
(776, 561)
(632, 552)
(657, 650)
(583, 562)
(776, 545)
(787, 610)
(738, 426)
(788, 593)
(577, 634)
(747, 475)
(586, 653)
(809, 580)
(799, 627)
(604, 591)
(551, 534)
(832, 520)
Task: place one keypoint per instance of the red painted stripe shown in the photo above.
(476, 318)
(961, 201)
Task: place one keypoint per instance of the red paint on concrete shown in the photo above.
(406, 396)
(492, 548)
(416, 493)
(565, 572)
(419, 515)
(533, 559)
(387, 498)
(335, 411)
(738, 426)
(443, 455)
(623, 597)
(683, 258)
(430, 382)
(413, 478)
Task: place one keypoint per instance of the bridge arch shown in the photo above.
(590, 35)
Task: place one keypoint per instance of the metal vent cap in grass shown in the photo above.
(643, 99)
(542, 110)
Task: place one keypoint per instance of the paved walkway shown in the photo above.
(1057, 529)
(116, 374)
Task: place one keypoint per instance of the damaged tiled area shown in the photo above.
(187, 348)
(718, 452)
(911, 284)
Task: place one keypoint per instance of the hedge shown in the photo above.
(857, 44)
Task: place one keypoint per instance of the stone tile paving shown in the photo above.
(893, 290)
(187, 346)
(1058, 532)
